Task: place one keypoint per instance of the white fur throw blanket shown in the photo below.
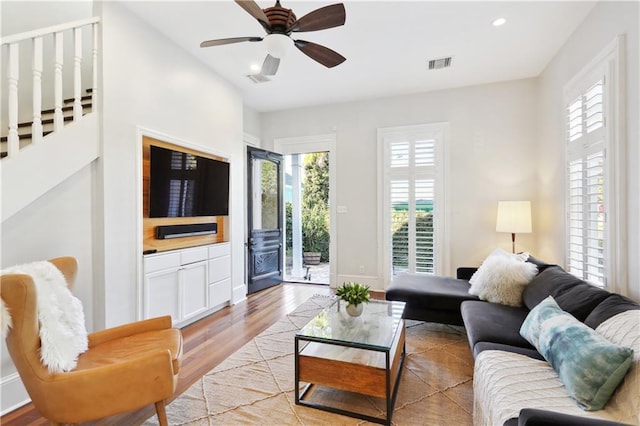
(63, 335)
(5, 319)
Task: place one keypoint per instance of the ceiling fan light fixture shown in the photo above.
(277, 44)
(279, 23)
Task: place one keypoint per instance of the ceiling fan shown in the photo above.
(279, 23)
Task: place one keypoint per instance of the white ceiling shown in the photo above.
(387, 45)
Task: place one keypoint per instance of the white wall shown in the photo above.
(606, 21)
(57, 224)
(18, 16)
(251, 121)
(491, 146)
(149, 82)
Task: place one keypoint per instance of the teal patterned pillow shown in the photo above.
(544, 310)
(588, 365)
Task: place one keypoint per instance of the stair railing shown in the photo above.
(13, 58)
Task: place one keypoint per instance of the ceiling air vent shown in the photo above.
(436, 64)
(258, 78)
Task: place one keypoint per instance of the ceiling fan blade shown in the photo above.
(320, 19)
(254, 10)
(270, 65)
(319, 53)
(221, 41)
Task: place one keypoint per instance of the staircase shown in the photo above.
(25, 134)
(62, 136)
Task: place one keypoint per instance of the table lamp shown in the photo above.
(514, 217)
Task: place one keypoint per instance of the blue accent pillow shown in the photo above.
(532, 324)
(590, 367)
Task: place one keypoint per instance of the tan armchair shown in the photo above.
(125, 367)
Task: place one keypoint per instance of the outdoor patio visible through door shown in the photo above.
(306, 198)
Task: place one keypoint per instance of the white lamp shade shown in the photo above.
(277, 44)
(514, 217)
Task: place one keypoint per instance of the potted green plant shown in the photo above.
(315, 234)
(355, 294)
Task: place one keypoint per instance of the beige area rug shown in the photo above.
(256, 384)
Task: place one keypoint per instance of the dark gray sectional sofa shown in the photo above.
(492, 326)
(432, 298)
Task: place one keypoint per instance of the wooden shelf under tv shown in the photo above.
(149, 241)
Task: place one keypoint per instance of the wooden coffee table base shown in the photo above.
(366, 371)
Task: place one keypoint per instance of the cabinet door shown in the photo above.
(194, 289)
(161, 294)
(219, 293)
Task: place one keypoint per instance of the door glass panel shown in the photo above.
(265, 205)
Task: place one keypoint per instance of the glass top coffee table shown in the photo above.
(361, 354)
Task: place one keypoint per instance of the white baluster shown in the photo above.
(77, 74)
(36, 127)
(58, 119)
(94, 52)
(13, 140)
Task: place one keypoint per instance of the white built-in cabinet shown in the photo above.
(219, 274)
(187, 283)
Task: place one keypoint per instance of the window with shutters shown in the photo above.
(595, 174)
(413, 193)
(586, 201)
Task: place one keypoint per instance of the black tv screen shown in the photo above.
(187, 185)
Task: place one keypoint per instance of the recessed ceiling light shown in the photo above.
(498, 22)
(255, 67)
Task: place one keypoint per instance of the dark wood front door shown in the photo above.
(265, 245)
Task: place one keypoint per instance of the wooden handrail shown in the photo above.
(48, 30)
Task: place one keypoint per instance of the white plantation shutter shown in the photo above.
(399, 193)
(424, 249)
(412, 192)
(596, 180)
(586, 183)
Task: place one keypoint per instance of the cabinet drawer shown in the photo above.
(158, 262)
(192, 255)
(219, 293)
(219, 268)
(217, 250)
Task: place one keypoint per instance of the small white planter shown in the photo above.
(355, 310)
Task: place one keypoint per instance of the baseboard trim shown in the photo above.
(372, 281)
(14, 395)
(238, 294)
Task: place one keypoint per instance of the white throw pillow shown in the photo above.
(502, 278)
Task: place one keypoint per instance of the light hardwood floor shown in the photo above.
(207, 343)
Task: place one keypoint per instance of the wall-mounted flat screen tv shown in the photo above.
(187, 185)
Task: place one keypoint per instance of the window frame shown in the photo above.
(439, 131)
(606, 65)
